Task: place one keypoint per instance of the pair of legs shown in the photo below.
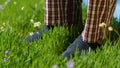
(69, 12)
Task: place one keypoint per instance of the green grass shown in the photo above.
(46, 52)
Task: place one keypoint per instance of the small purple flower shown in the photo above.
(7, 52)
(5, 59)
(70, 64)
(55, 66)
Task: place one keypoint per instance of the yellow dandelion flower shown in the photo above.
(4, 24)
(22, 8)
(31, 20)
(110, 28)
(6, 3)
(31, 33)
(102, 24)
(2, 28)
(14, 3)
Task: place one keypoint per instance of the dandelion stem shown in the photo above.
(117, 32)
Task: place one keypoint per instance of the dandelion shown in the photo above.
(5, 59)
(4, 24)
(6, 3)
(31, 33)
(102, 24)
(22, 8)
(36, 5)
(36, 24)
(70, 64)
(14, 3)
(55, 66)
(110, 28)
(2, 28)
(7, 52)
(31, 20)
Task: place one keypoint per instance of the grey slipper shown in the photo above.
(38, 34)
(80, 45)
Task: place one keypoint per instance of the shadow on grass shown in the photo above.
(73, 33)
(116, 26)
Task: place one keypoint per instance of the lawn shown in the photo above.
(16, 21)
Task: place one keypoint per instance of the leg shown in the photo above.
(98, 11)
(63, 12)
(59, 12)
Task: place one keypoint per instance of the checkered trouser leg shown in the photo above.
(98, 11)
(62, 12)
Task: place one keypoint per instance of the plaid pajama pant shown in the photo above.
(70, 12)
(59, 12)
